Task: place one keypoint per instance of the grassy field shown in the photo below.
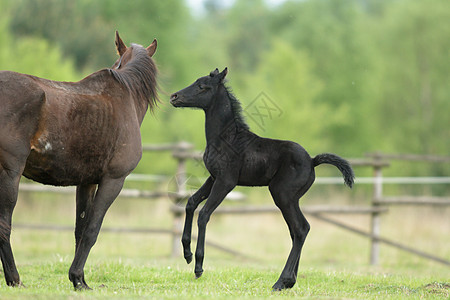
(334, 262)
(169, 279)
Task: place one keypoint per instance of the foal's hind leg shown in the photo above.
(9, 184)
(286, 197)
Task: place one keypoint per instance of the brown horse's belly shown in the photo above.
(65, 152)
(59, 171)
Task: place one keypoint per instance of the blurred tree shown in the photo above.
(248, 33)
(140, 21)
(65, 23)
(213, 7)
(34, 56)
(413, 66)
(332, 33)
(286, 77)
(84, 29)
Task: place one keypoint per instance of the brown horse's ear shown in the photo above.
(152, 48)
(121, 48)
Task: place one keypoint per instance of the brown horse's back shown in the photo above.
(68, 131)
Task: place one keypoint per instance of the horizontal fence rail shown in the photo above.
(307, 209)
(410, 157)
(405, 200)
(386, 180)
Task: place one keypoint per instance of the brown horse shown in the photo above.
(84, 133)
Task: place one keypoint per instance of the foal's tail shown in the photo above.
(338, 162)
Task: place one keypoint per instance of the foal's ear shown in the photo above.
(120, 45)
(223, 73)
(214, 73)
(152, 48)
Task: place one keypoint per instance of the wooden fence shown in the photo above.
(383, 201)
(380, 204)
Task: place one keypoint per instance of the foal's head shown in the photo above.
(126, 53)
(201, 93)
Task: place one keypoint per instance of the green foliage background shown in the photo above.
(350, 77)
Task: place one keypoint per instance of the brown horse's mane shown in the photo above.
(139, 76)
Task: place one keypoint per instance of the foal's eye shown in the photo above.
(202, 87)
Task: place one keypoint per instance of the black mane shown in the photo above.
(236, 107)
(139, 76)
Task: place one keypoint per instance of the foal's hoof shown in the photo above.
(82, 286)
(198, 274)
(188, 258)
(277, 289)
(16, 284)
(279, 286)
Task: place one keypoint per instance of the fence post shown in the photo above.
(376, 218)
(180, 179)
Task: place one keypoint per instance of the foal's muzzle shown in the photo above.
(174, 100)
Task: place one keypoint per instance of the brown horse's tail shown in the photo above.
(338, 162)
(5, 230)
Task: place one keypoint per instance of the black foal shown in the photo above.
(236, 156)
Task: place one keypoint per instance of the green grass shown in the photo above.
(169, 279)
(334, 263)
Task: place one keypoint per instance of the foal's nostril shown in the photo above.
(173, 97)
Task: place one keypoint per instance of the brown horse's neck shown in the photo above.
(141, 106)
(139, 79)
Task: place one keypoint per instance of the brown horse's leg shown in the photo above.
(20, 103)
(9, 184)
(84, 198)
(191, 206)
(107, 192)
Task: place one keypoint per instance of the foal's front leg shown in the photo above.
(191, 206)
(219, 191)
